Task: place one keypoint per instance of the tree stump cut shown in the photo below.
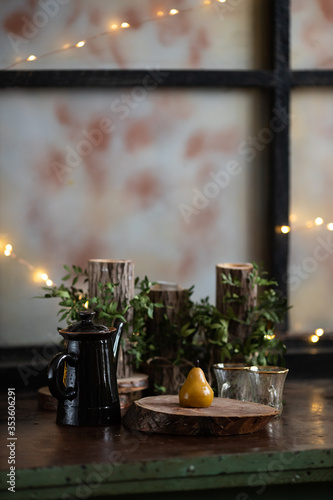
(121, 272)
(161, 370)
(245, 290)
(174, 299)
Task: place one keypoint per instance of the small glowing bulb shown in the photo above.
(173, 12)
(207, 2)
(270, 336)
(86, 304)
(125, 25)
(37, 276)
(49, 282)
(285, 229)
(114, 26)
(330, 226)
(314, 338)
(80, 44)
(319, 221)
(222, 1)
(31, 58)
(160, 13)
(44, 276)
(66, 46)
(8, 250)
(319, 332)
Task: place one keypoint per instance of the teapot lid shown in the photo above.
(86, 324)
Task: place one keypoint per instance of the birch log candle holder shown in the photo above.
(122, 273)
(245, 289)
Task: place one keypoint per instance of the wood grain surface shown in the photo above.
(120, 272)
(137, 382)
(163, 414)
(306, 425)
(239, 273)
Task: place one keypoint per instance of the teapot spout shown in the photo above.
(116, 341)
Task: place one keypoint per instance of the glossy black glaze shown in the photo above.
(86, 325)
(83, 377)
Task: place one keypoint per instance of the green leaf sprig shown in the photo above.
(72, 299)
(261, 345)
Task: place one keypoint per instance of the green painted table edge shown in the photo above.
(179, 474)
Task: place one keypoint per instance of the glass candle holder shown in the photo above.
(233, 381)
(267, 383)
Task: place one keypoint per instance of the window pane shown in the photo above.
(311, 256)
(219, 35)
(311, 34)
(168, 180)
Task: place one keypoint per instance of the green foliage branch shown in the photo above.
(261, 345)
(200, 331)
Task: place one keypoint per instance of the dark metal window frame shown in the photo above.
(279, 80)
(302, 360)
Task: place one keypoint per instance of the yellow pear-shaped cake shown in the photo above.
(196, 391)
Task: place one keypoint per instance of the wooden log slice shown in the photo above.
(163, 414)
(129, 390)
(137, 382)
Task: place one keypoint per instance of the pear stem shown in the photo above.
(197, 363)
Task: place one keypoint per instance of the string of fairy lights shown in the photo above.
(38, 274)
(114, 27)
(309, 224)
(319, 223)
(41, 276)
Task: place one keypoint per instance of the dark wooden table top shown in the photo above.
(297, 447)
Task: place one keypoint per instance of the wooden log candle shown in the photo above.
(121, 272)
(162, 371)
(174, 299)
(239, 273)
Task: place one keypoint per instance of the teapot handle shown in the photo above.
(55, 375)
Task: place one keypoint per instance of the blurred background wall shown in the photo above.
(162, 177)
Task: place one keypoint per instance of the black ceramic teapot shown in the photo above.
(84, 377)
